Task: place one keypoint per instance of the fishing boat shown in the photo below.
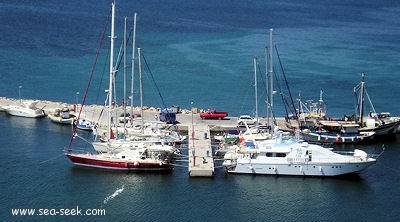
(316, 127)
(308, 114)
(145, 159)
(62, 116)
(382, 125)
(25, 109)
(291, 157)
(327, 137)
(330, 131)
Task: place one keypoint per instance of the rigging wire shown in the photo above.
(105, 67)
(158, 89)
(90, 79)
(121, 51)
(262, 79)
(287, 83)
(56, 157)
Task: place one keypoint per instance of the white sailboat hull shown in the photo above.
(115, 146)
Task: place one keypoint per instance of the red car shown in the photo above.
(213, 114)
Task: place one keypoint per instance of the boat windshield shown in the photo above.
(273, 154)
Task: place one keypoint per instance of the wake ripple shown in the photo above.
(116, 193)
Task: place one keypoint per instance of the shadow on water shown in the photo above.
(347, 177)
(97, 171)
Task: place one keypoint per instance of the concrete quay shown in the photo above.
(186, 118)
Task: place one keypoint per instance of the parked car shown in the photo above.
(246, 119)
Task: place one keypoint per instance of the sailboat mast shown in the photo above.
(141, 87)
(271, 72)
(111, 68)
(267, 83)
(255, 88)
(133, 61)
(124, 103)
(361, 111)
(321, 101)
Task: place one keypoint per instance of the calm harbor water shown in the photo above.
(198, 51)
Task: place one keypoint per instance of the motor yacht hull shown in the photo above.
(300, 169)
(24, 112)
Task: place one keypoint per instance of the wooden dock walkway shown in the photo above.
(201, 162)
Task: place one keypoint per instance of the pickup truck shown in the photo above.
(213, 114)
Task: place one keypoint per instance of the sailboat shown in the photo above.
(381, 124)
(148, 135)
(256, 131)
(145, 159)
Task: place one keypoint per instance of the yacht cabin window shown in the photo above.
(270, 154)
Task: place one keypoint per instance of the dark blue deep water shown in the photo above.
(200, 52)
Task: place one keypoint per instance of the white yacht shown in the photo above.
(290, 157)
(25, 109)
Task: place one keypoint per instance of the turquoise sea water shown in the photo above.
(203, 52)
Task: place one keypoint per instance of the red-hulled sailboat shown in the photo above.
(145, 159)
(131, 160)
